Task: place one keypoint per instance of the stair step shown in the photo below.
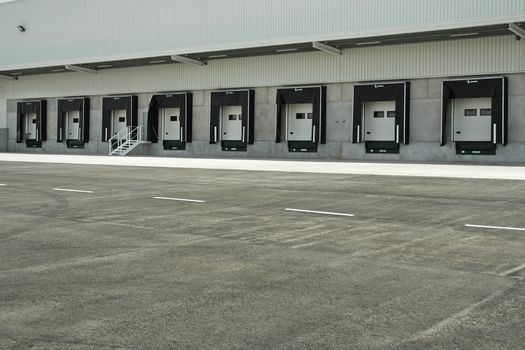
(127, 145)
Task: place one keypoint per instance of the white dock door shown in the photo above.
(30, 123)
(380, 121)
(171, 123)
(73, 125)
(231, 123)
(118, 120)
(300, 122)
(472, 119)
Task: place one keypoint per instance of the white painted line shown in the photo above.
(198, 240)
(3, 185)
(496, 227)
(180, 199)
(304, 245)
(455, 319)
(117, 224)
(307, 236)
(318, 212)
(69, 190)
(511, 271)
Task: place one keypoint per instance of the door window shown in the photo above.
(485, 112)
(232, 117)
(379, 114)
(173, 118)
(300, 116)
(471, 112)
(391, 114)
(75, 120)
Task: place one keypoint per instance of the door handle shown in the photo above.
(458, 132)
(224, 133)
(291, 132)
(368, 132)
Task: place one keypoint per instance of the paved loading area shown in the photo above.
(107, 257)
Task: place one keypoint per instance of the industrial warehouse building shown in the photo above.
(413, 80)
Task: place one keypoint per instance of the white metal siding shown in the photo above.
(75, 31)
(476, 56)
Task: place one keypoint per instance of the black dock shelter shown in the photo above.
(181, 100)
(76, 104)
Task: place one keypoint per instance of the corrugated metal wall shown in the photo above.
(476, 56)
(74, 31)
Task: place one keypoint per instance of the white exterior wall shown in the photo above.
(465, 57)
(76, 31)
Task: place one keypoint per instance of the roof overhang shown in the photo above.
(331, 45)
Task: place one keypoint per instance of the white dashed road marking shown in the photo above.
(69, 190)
(304, 245)
(318, 212)
(180, 199)
(307, 236)
(496, 227)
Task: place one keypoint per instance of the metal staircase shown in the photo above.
(125, 141)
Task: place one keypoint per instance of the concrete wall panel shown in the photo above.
(3, 139)
(425, 129)
(425, 120)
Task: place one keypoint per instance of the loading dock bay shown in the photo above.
(474, 116)
(90, 257)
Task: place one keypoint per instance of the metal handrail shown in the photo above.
(128, 135)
